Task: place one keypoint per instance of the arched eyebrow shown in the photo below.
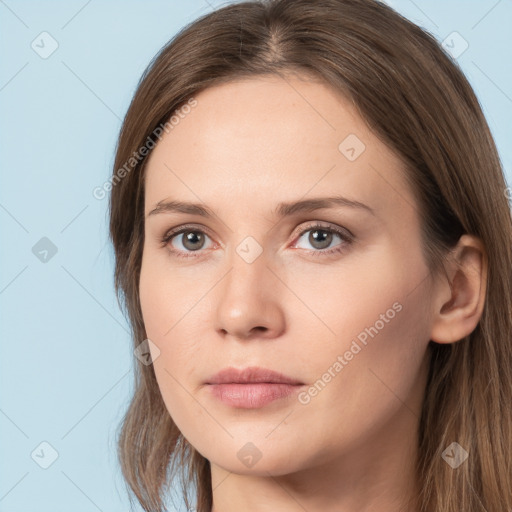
(320, 203)
(282, 209)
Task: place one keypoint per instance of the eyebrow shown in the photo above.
(282, 209)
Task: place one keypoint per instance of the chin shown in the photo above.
(251, 459)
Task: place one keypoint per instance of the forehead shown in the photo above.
(269, 139)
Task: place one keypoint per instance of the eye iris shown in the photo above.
(320, 236)
(193, 237)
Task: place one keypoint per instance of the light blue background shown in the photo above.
(66, 354)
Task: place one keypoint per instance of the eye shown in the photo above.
(188, 239)
(322, 237)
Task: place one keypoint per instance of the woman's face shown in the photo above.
(332, 294)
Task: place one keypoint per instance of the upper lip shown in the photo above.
(252, 374)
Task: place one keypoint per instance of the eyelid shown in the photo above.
(183, 227)
(342, 231)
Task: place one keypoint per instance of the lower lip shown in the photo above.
(251, 396)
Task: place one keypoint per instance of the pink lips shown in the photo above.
(251, 387)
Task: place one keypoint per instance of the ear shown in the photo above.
(459, 297)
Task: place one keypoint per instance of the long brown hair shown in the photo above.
(416, 99)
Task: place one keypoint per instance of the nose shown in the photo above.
(248, 302)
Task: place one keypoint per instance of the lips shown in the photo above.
(252, 374)
(251, 388)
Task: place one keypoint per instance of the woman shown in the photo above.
(313, 245)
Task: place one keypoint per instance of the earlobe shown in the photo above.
(458, 301)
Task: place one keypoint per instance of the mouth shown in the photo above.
(252, 387)
(251, 375)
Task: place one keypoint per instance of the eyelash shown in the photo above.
(346, 237)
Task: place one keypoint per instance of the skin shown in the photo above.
(247, 146)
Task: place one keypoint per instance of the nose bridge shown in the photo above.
(248, 297)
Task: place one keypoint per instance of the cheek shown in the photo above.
(176, 313)
(165, 306)
(343, 300)
(362, 376)
(374, 321)
(166, 295)
(165, 309)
